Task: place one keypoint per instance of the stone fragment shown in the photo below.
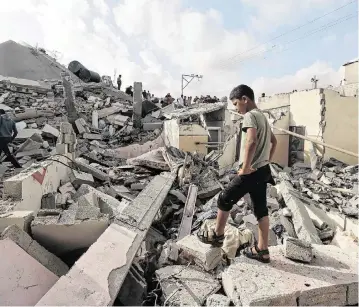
(98, 174)
(296, 249)
(78, 178)
(303, 224)
(92, 136)
(218, 300)
(35, 250)
(186, 285)
(48, 201)
(67, 188)
(153, 159)
(81, 126)
(50, 131)
(204, 255)
(137, 186)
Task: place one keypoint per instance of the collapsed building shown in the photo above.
(114, 189)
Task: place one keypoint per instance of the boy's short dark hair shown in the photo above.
(241, 90)
(2, 111)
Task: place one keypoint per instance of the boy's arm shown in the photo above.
(273, 141)
(249, 150)
(14, 130)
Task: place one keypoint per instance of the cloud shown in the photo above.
(101, 6)
(283, 12)
(300, 80)
(152, 41)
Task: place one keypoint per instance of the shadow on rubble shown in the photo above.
(71, 257)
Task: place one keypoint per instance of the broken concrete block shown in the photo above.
(87, 207)
(211, 190)
(20, 218)
(303, 224)
(137, 186)
(95, 123)
(50, 131)
(48, 201)
(79, 178)
(35, 250)
(325, 281)
(62, 149)
(288, 226)
(67, 188)
(296, 249)
(92, 170)
(69, 138)
(60, 237)
(103, 280)
(179, 195)
(24, 281)
(108, 204)
(81, 126)
(188, 212)
(153, 159)
(186, 285)
(204, 255)
(218, 300)
(92, 136)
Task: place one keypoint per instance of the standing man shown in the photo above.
(257, 149)
(119, 82)
(8, 133)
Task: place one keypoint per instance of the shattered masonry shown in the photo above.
(114, 189)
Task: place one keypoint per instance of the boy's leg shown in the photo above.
(259, 199)
(12, 159)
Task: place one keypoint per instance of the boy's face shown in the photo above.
(241, 104)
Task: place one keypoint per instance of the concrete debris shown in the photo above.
(297, 250)
(186, 285)
(35, 250)
(289, 283)
(204, 255)
(218, 300)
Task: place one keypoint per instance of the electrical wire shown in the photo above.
(290, 31)
(314, 31)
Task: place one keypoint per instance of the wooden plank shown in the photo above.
(189, 208)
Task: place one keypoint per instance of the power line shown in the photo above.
(310, 33)
(290, 31)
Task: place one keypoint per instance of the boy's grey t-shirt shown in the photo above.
(256, 119)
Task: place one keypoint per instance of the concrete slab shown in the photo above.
(92, 170)
(61, 238)
(23, 280)
(92, 281)
(35, 250)
(303, 224)
(188, 212)
(28, 186)
(186, 285)
(108, 204)
(27, 133)
(97, 285)
(20, 218)
(79, 178)
(217, 300)
(204, 255)
(331, 279)
(153, 159)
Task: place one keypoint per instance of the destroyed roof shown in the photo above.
(201, 108)
(19, 61)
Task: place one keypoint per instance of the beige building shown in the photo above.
(321, 114)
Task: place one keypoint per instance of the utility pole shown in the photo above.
(188, 81)
(314, 80)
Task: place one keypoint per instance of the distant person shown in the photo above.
(181, 101)
(8, 133)
(148, 95)
(144, 94)
(129, 91)
(119, 82)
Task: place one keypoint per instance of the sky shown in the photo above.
(275, 46)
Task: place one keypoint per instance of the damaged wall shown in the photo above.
(189, 134)
(341, 128)
(171, 132)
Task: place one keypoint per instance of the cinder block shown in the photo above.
(20, 218)
(35, 250)
(203, 254)
(92, 170)
(78, 178)
(296, 249)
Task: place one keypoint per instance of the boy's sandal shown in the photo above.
(248, 252)
(214, 240)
